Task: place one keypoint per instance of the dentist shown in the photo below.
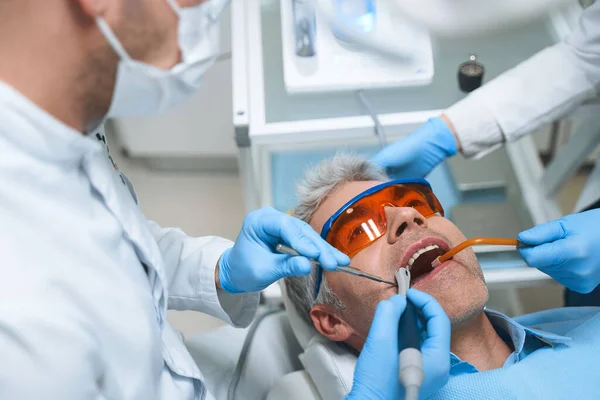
(540, 90)
(85, 278)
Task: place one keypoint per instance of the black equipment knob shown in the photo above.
(470, 75)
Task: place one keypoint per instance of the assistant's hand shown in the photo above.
(567, 249)
(376, 373)
(420, 152)
(251, 264)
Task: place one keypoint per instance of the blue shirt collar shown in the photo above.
(524, 341)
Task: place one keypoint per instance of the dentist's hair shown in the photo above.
(319, 183)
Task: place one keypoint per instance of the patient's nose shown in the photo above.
(401, 220)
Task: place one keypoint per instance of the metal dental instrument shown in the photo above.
(348, 270)
(410, 360)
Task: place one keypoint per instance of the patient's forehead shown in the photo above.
(337, 199)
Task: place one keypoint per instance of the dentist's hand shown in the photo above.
(376, 373)
(567, 249)
(420, 152)
(251, 264)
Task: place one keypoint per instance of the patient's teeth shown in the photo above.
(417, 253)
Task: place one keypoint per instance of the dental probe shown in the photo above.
(472, 242)
(348, 270)
(411, 373)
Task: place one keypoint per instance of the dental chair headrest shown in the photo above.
(330, 366)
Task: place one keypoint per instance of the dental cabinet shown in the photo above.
(280, 134)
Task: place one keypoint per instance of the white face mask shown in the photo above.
(142, 89)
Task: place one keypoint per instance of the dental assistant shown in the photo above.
(540, 90)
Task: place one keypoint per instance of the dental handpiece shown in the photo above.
(411, 373)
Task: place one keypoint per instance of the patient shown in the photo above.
(414, 235)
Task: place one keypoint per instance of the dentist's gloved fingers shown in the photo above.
(382, 341)
(376, 372)
(437, 323)
(549, 256)
(295, 266)
(578, 285)
(436, 347)
(386, 319)
(329, 257)
(279, 227)
(252, 263)
(545, 233)
(387, 157)
(567, 249)
(571, 262)
(420, 152)
(383, 335)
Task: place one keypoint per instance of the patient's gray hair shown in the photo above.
(319, 183)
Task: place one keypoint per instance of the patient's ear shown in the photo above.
(329, 324)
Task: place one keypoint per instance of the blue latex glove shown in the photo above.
(567, 249)
(251, 264)
(376, 373)
(420, 152)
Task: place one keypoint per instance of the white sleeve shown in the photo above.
(540, 90)
(190, 267)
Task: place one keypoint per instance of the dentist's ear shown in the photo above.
(93, 8)
(329, 324)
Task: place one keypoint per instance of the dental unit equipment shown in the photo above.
(361, 14)
(327, 47)
(473, 242)
(410, 360)
(348, 270)
(304, 28)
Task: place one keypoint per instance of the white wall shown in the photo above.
(200, 127)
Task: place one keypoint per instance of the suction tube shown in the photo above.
(473, 242)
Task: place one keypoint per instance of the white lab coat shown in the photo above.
(542, 89)
(80, 317)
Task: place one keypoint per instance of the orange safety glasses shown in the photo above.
(362, 220)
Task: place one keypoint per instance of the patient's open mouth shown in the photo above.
(419, 257)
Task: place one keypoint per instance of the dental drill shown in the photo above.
(411, 373)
